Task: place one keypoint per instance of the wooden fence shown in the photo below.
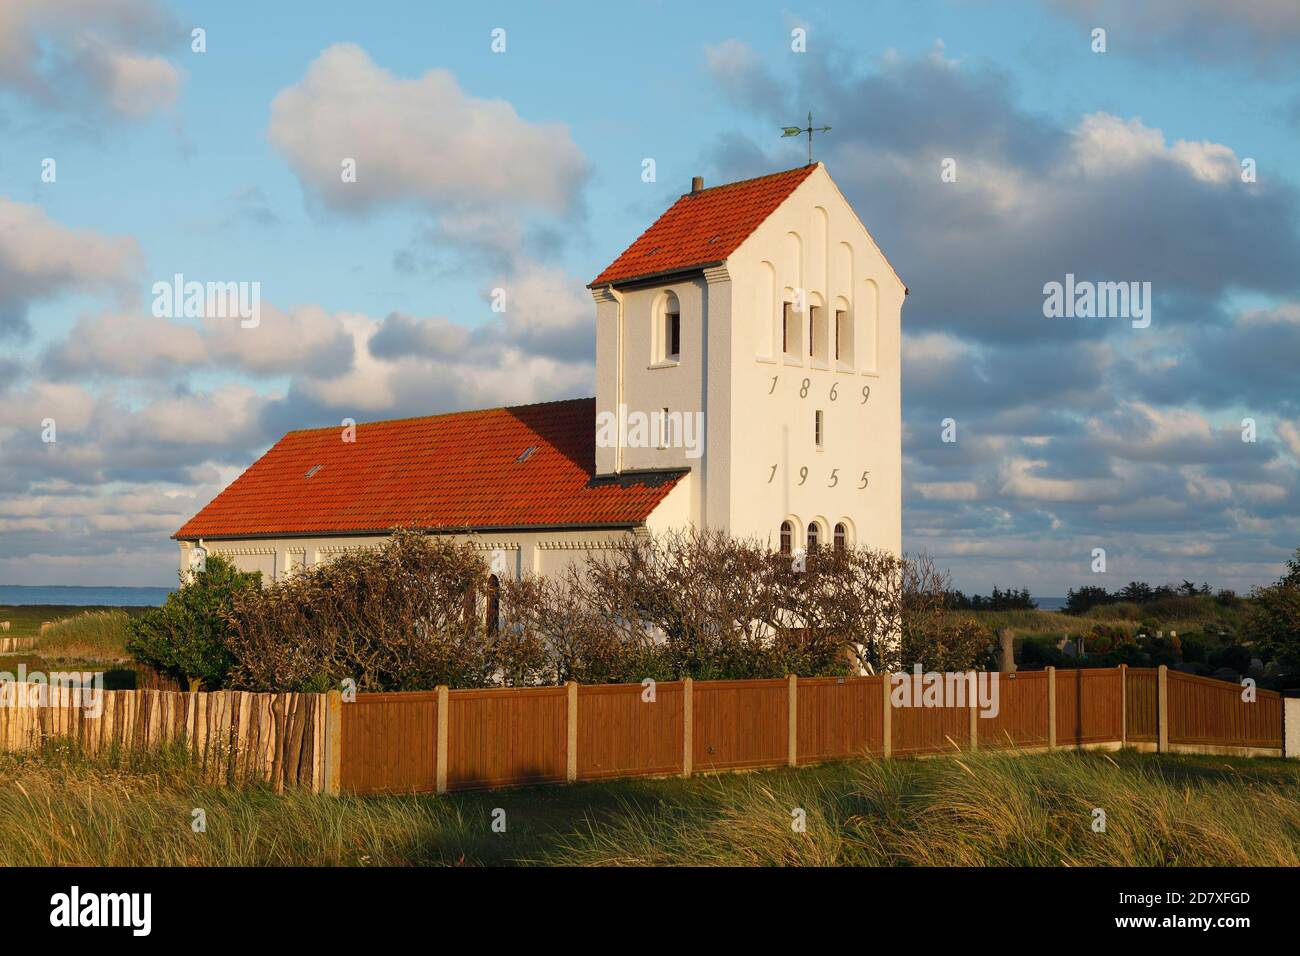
(232, 736)
(445, 740)
(474, 739)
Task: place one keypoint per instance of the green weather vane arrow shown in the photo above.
(800, 130)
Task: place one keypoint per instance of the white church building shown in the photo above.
(747, 379)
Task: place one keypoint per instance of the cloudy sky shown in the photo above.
(127, 157)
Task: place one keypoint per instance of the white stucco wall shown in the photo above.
(540, 552)
(816, 242)
(758, 411)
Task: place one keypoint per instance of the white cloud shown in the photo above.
(302, 339)
(1105, 144)
(40, 258)
(1289, 432)
(424, 140)
(93, 56)
(1020, 481)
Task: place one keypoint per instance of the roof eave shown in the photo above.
(384, 532)
(657, 276)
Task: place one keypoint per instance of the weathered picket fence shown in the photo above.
(233, 736)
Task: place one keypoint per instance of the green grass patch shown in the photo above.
(90, 636)
(60, 808)
(25, 619)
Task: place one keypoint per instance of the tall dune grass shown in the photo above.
(128, 809)
(98, 636)
(977, 810)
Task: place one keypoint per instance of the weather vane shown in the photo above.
(809, 129)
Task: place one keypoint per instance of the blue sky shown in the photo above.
(1115, 165)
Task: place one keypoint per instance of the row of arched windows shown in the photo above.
(814, 536)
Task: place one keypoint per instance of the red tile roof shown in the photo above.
(704, 227)
(444, 472)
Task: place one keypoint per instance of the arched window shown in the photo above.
(668, 337)
(841, 536)
(814, 536)
(787, 537)
(844, 337)
(493, 605)
(818, 336)
(789, 330)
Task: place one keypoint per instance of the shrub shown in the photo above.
(187, 636)
(1274, 622)
(402, 616)
(410, 614)
(1194, 648)
(1234, 656)
(1103, 639)
(705, 605)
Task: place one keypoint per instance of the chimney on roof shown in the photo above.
(697, 183)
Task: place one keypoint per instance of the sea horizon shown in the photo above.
(20, 595)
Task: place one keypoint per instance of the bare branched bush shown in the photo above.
(398, 617)
(931, 635)
(410, 614)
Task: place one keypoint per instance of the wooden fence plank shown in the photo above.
(621, 733)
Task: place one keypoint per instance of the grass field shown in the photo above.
(81, 638)
(25, 619)
(979, 809)
(1186, 615)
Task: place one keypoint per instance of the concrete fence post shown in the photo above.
(1291, 727)
(1051, 708)
(440, 774)
(688, 725)
(333, 741)
(886, 717)
(792, 733)
(571, 764)
(1162, 708)
(1123, 705)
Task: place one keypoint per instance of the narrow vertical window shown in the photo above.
(493, 605)
(843, 337)
(469, 606)
(663, 428)
(841, 536)
(787, 537)
(814, 536)
(666, 344)
(785, 328)
(818, 427)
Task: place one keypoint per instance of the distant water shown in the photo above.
(1050, 604)
(11, 594)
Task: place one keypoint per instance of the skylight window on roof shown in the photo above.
(312, 470)
(526, 453)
